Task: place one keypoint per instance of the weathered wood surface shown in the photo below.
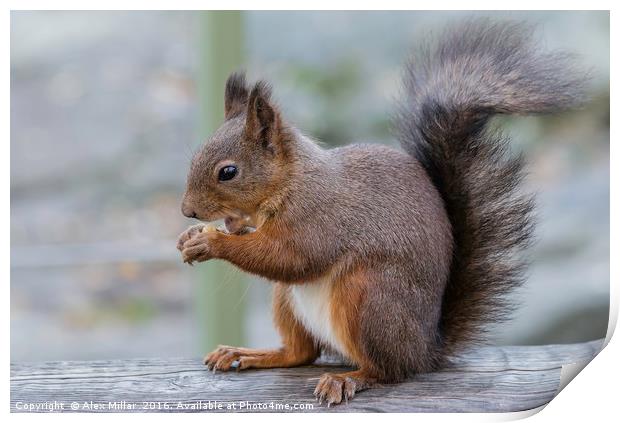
(494, 379)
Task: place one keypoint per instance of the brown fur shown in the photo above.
(418, 247)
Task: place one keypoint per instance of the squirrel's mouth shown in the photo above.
(232, 225)
(237, 225)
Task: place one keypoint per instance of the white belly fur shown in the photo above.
(311, 304)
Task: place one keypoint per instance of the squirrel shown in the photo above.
(393, 259)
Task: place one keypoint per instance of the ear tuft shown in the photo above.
(262, 117)
(236, 95)
(261, 89)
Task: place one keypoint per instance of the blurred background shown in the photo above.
(108, 107)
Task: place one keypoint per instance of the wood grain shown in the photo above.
(495, 379)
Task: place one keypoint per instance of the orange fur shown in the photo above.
(294, 336)
(298, 346)
(264, 252)
(348, 293)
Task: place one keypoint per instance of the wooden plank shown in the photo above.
(485, 379)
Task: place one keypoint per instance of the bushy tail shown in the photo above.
(476, 70)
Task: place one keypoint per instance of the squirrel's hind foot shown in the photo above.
(333, 388)
(226, 358)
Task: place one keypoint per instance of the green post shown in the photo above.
(219, 288)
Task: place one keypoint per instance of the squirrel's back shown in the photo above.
(381, 201)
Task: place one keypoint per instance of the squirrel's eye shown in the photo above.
(227, 173)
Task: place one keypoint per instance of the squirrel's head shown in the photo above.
(244, 161)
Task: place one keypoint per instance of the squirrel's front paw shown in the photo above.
(188, 234)
(199, 247)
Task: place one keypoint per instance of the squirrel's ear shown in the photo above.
(263, 119)
(235, 95)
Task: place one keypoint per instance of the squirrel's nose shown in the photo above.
(188, 211)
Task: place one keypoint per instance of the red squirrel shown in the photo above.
(393, 259)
